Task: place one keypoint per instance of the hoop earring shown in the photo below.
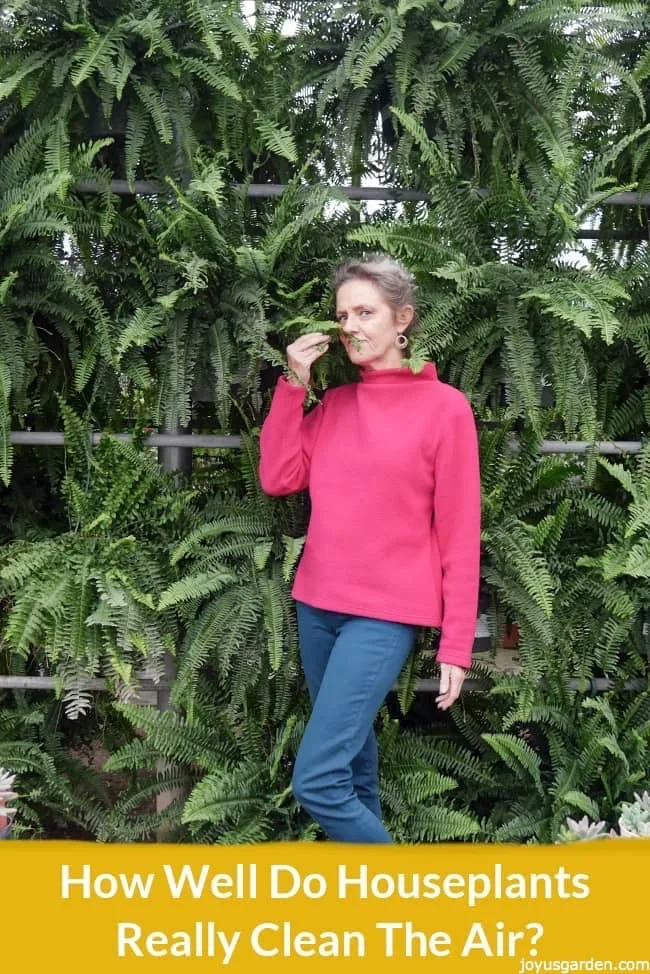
(401, 341)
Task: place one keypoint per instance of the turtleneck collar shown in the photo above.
(402, 373)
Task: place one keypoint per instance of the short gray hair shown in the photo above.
(396, 283)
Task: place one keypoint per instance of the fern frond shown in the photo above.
(518, 755)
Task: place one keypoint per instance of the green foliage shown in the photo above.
(59, 793)
(502, 775)
(237, 779)
(84, 603)
(173, 311)
(232, 597)
(628, 554)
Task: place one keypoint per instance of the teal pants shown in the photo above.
(350, 664)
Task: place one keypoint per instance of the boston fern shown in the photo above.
(240, 703)
(619, 568)
(563, 556)
(101, 293)
(128, 70)
(503, 318)
(59, 792)
(498, 770)
(84, 603)
(422, 800)
(45, 311)
(236, 773)
(173, 311)
(571, 753)
(232, 597)
(627, 555)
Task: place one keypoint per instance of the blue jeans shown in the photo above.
(350, 664)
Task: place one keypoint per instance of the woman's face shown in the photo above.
(369, 325)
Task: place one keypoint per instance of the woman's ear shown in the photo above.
(405, 314)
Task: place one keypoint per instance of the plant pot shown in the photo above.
(511, 636)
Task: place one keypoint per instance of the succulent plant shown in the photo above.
(6, 794)
(583, 829)
(635, 817)
(634, 822)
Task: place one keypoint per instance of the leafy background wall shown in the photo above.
(171, 311)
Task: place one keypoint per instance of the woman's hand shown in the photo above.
(451, 682)
(302, 353)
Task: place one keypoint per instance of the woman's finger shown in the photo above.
(314, 338)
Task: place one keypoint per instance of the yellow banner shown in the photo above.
(301, 907)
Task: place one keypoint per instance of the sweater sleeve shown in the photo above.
(457, 522)
(287, 439)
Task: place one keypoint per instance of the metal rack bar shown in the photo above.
(595, 685)
(199, 441)
(143, 187)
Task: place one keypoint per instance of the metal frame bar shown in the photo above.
(425, 685)
(380, 193)
(200, 441)
(191, 441)
(143, 187)
(50, 682)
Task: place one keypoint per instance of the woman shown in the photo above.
(392, 467)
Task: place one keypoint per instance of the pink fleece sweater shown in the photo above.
(392, 467)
